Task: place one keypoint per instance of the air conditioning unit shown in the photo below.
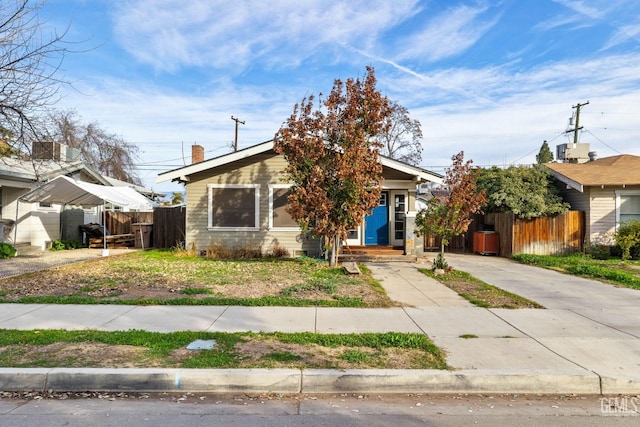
(49, 150)
(573, 153)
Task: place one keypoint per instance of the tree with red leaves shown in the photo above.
(332, 157)
(448, 213)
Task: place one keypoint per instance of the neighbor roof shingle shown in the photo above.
(616, 170)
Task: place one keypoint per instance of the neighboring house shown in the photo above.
(39, 223)
(239, 199)
(148, 193)
(607, 190)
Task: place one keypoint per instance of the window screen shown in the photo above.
(233, 207)
(281, 217)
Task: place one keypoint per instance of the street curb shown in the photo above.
(292, 381)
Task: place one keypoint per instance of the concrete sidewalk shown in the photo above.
(587, 341)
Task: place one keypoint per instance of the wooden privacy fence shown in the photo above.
(168, 229)
(561, 234)
(169, 224)
(120, 222)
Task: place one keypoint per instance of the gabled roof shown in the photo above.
(28, 172)
(24, 173)
(64, 190)
(148, 192)
(183, 173)
(609, 171)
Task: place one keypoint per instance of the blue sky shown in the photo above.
(492, 78)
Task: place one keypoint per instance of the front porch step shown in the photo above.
(372, 250)
(376, 258)
(374, 254)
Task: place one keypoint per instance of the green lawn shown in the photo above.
(74, 349)
(480, 293)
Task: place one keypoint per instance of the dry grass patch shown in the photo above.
(162, 277)
(141, 349)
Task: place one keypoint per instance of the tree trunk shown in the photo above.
(442, 248)
(333, 261)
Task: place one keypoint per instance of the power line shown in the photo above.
(601, 141)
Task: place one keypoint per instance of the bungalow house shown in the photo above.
(607, 190)
(239, 199)
(41, 222)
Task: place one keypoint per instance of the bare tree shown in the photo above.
(107, 153)
(402, 140)
(29, 62)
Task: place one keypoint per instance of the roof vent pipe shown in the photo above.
(593, 155)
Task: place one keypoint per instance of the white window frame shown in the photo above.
(271, 226)
(46, 207)
(256, 221)
(620, 193)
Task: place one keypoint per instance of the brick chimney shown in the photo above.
(197, 153)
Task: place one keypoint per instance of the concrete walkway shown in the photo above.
(32, 259)
(586, 341)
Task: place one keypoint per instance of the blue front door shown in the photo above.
(376, 225)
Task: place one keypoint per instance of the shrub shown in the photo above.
(278, 251)
(440, 263)
(628, 239)
(217, 251)
(598, 251)
(247, 251)
(62, 245)
(6, 250)
(181, 251)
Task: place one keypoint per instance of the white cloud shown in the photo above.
(447, 35)
(623, 34)
(579, 6)
(170, 34)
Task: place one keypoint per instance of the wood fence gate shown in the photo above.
(169, 225)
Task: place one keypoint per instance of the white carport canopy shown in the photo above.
(63, 190)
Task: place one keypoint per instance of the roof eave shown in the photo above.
(568, 181)
(182, 174)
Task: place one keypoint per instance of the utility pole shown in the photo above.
(577, 126)
(235, 142)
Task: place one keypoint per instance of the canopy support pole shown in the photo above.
(15, 226)
(105, 251)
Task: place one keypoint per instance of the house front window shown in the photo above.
(278, 215)
(627, 206)
(234, 206)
